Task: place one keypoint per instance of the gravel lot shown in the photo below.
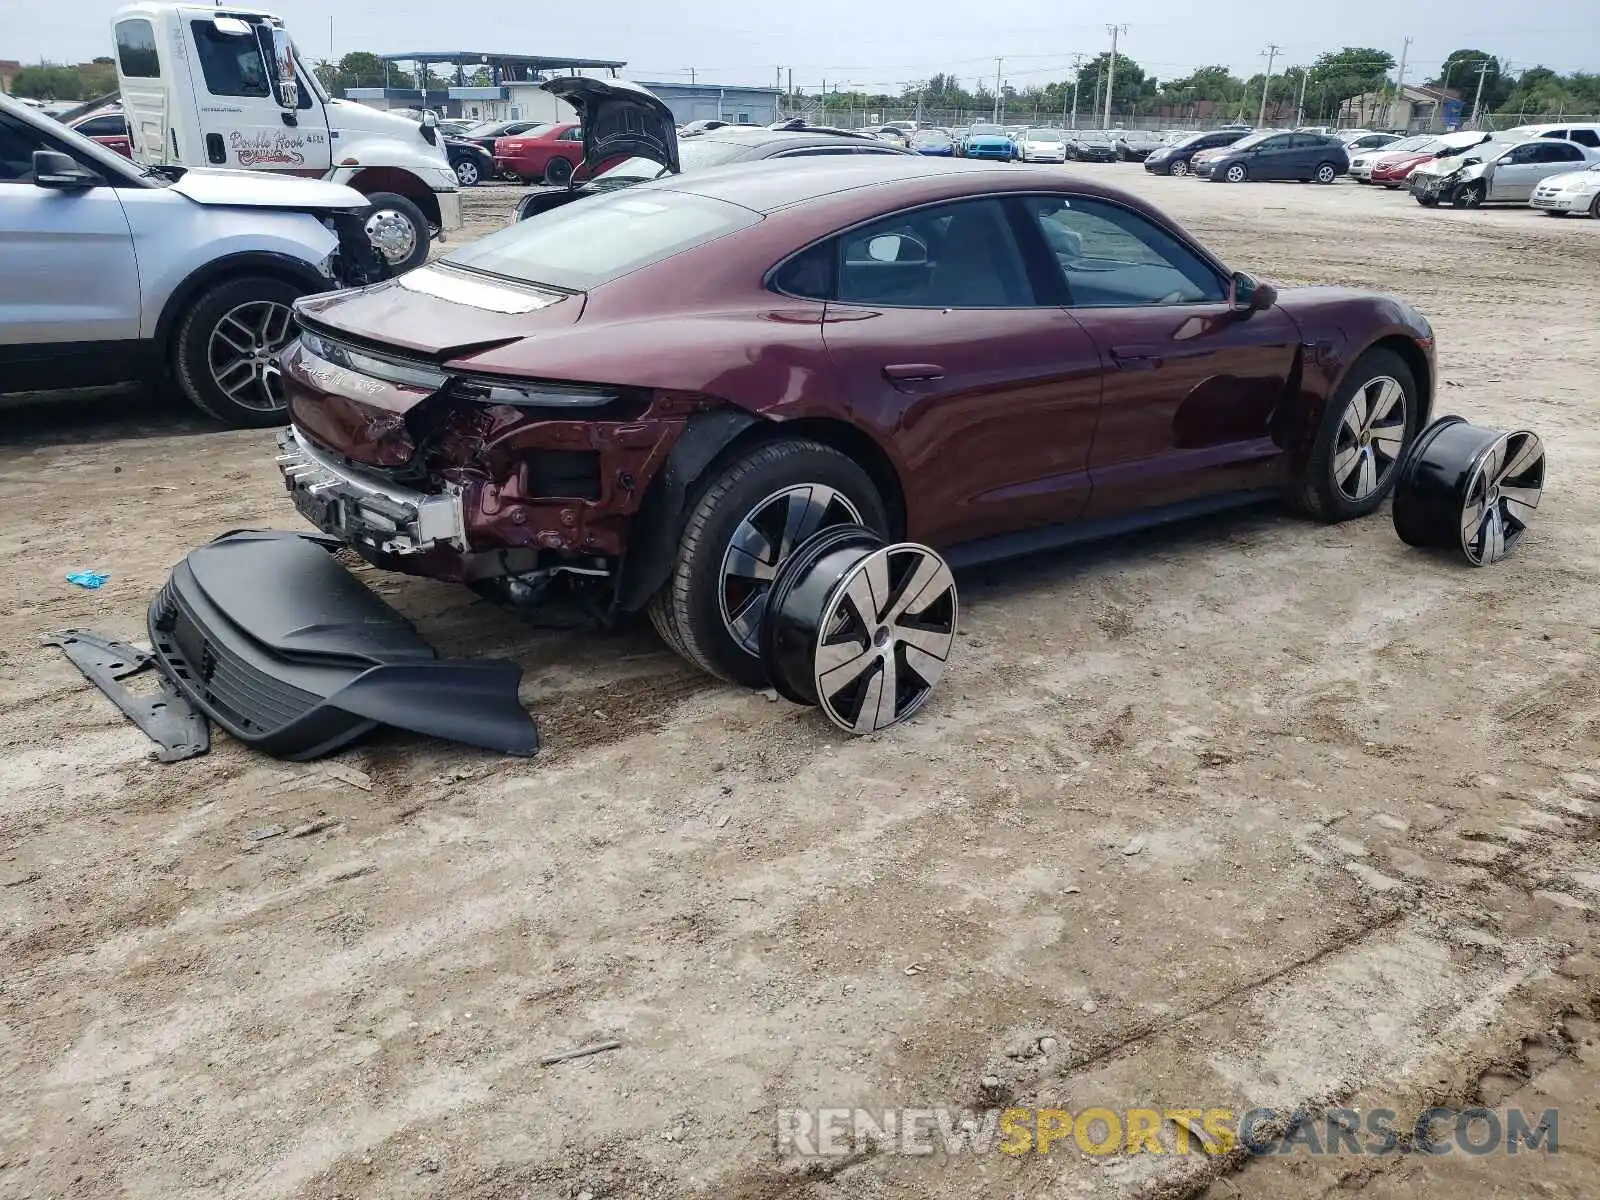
(1251, 812)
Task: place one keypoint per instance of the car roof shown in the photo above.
(760, 137)
(767, 186)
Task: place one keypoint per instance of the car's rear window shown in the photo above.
(584, 244)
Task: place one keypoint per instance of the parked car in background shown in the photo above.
(1090, 145)
(1587, 136)
(935, 142)
(1042, 145)
(1361, 163)
(548, 153)
(1569, 192)
(985, 140)
(470, 161)
(1177, 157)
(649, 149)
(1269, 155)
(118, 273)
(705, 125)
(1503, 171)
(504, 393)
(892, 134)
(1368, 141)
(1393, 169)
(1136, 145)
(486, 133)
(456, 126)
(110, 129)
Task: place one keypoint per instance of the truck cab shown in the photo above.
(222, 88)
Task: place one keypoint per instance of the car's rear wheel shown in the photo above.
(398, 230)
(557, 171)
(226, 351)
(1365, 432)
(1469, 196)
(745, 520)
(1327, 172)
(1594, 208)
(467, 173)
(1178, 168)
(1236, 173)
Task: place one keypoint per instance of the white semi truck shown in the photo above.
(222, 88)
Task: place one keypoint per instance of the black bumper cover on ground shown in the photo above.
(269, 636)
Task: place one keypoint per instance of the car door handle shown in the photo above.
(1135, 358)
(913, 372)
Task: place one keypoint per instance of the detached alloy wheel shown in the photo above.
(1236, 173)
(1364, 434)
(225, 355)
(746, 520)
(1469, 489)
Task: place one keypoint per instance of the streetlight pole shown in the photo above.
(997, 63)
(1111, 70)
(1272, 53)
(1300, 105)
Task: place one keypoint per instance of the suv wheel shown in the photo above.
(746, 519)
(398, 231)
(1366, 429)
(225, 356)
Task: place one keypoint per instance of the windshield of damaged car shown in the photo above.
(580, 246)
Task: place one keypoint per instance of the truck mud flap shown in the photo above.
(268, 635)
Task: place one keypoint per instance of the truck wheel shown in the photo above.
(398, 231)
(743, 523)
(557, 171)
(225, 354)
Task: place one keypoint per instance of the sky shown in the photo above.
(884, 44)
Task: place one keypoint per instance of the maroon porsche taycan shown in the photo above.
(667, 387)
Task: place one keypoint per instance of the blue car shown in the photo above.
(987, 141)
(933, 141)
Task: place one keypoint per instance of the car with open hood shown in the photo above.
(114, 272)
(643, 145)
(651, 397)
(1569, 192)
(1502, 171)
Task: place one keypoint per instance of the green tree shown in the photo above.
(48, 81)
(1459, 72)
(1339, 74)
(1131, 90)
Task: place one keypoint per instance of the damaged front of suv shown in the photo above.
(426, 457)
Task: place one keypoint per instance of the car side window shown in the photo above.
(107, 126)
(572, 135)
(1559, 152)
(1112, 257)
(232, 63)
(17, 144)
(1586, 137)
(957, 255)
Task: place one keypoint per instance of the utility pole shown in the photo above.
(1300, 106)
(791, 87)
(997, 63)
(1111, 70)
(1272, 53)
(1400, 80)
(1077, 70)
(691, 76)
(1477, 100)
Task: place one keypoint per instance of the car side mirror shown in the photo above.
(1247, 294)
(52, 169)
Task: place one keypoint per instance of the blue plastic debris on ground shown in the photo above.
(88, 579)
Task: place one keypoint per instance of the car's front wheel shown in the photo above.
(1178, 169)
(225, 354)
(467, 173)
(745, 520)
(1470, 196)
(1326, 172)
(1364, 434)
(1237, 173)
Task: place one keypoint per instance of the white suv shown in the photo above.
(111, 272)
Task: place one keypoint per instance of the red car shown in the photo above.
(660, 390)
(109, 129)
(1392, 172)
(550, 153)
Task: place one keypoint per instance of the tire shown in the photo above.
(467, 173)
(1237, 173)
(1317, 492)
(688, 612)
(1549, 212)
(401, 249)
(1428, 201)
(1178, 169)
(1327, 172)
(1594, 208)
(218, 326)
(1470, 196)
(557, 171)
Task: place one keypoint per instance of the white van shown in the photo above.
(1583, 135)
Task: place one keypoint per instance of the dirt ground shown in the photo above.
(1254, 812)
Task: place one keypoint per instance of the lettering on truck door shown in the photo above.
(241, 122)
